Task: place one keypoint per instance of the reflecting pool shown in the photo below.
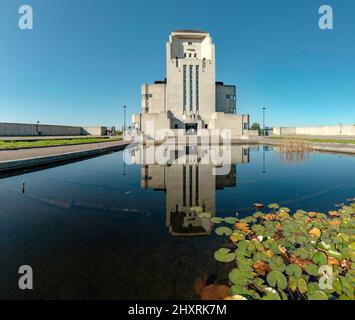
(101, 228)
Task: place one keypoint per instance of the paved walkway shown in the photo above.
(7, 155)
(31, 138)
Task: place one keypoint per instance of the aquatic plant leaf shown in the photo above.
(323, 245)
(258, 214)
(335, 222)
(205, 215)
(196, 209)
(277, 279)
(334, 213)
(230, 220)
(270, 216)
(277, 264)
(301, 253)
(312, 214)
(302, 285)
(317, 295)
(292, 283)
(217, 220)
(320, 258)
(224, 255)
(237, 276)
(236, 236)
(294, 270)
(347, 287)
(271, 294)
(284, 209)
(244, 227)
(273, 206)
(335, 254)
(311, 269)
(224, 231)
(235, 297)
(315, 232)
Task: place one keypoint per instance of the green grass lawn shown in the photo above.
(314, 140)
(19, 144)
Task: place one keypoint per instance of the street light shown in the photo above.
(124, 121)
(264, 129)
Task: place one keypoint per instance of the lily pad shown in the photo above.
(277, 279)
(224, 231)
(294, 270)
(216, 220)
(273, 206)
(277, 264)
(205, 215)
(230, 220)
(311, 269)
(224, 255)
(317, 295)
(320, 258)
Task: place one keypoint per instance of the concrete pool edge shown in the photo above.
(24, 163)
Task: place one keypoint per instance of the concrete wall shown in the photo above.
(94, 131)
(24, 129)
(339, 130)
(225, 98)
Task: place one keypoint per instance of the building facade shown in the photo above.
(189, 99)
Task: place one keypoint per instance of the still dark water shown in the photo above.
(99, 229)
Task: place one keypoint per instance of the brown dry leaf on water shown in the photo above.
(243, 226)
(332, 261)
(278, 227)
(315, 232)
(214, 292)
(334, 213)
(334, 222)
(260, 267)
(312, 214)
(345, 264)
(270, 217)
(199, 283)
(300, 262)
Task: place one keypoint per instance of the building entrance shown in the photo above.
(191, 128)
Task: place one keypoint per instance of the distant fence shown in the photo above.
(339, 130)
(24, 129)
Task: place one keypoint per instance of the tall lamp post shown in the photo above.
(124, 120)
(264, 129)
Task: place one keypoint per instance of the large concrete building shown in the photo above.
(189, 99)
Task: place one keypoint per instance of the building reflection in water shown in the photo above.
(189, 181)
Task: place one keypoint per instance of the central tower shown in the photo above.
(191, 75)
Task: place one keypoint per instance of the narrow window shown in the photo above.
(197, 88)
(206, 126)
(191, 89)
(184, 88)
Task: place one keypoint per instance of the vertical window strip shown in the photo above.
(197, 88)
(184, 88)
(191, 90)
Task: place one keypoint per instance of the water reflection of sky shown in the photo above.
(99, 228)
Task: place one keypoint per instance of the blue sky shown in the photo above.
(86, 58)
